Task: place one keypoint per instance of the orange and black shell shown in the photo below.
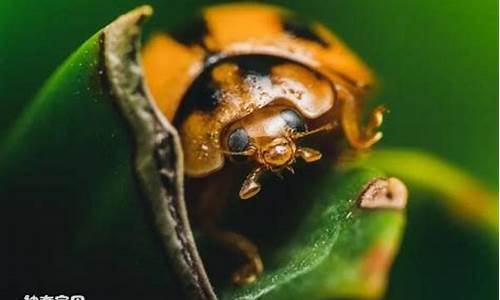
(236, 59)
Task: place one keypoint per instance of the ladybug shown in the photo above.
(244, 85)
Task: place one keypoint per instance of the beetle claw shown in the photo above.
(251, 186)
(249, 189)
(249, 272)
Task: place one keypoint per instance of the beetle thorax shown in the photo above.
(266, 136)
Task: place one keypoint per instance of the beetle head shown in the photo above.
(269, 137)
(277, 153)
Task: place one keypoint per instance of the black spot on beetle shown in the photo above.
(257, 64)
(192, 34)
(300, 29)
(203, 95)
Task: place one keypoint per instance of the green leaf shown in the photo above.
(451, 241)
(324, 246)
(76, 219)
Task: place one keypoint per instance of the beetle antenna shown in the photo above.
(326, 127)
(248, 152)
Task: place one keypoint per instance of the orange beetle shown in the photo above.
(246, 83)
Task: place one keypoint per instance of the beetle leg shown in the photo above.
(358, 137)
(251, 185)
(212, 201)
(237, 243)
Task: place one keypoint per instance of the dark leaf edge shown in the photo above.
(158, 157)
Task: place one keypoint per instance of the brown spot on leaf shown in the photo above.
(390, 193)
(375, 267)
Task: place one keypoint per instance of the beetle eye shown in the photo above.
(294, 120)
(238, 140)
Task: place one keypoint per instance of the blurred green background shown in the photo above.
(437, 62)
